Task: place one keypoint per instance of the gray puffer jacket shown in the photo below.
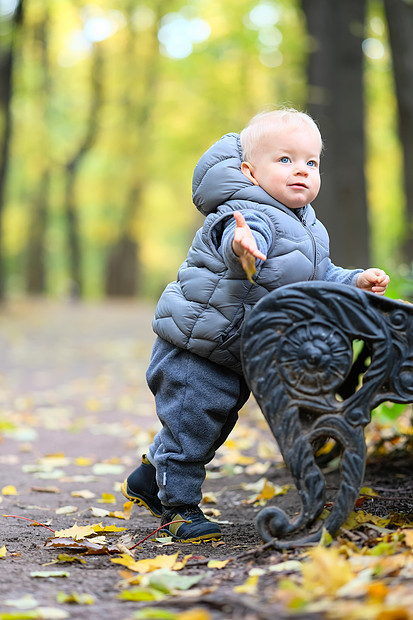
(203, 310)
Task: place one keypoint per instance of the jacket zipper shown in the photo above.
(304, 223)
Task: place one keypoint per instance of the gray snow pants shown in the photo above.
(197, 402)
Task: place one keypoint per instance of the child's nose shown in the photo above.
(301, 169)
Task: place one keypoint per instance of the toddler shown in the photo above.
(255, 190)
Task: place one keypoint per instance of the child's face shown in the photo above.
(285, 163)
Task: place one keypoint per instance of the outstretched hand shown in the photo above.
(374, 280)
(244, 242)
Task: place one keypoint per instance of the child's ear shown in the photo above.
(247, 169)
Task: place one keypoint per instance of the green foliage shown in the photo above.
(160, 109)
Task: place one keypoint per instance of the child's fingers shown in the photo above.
(239, 218)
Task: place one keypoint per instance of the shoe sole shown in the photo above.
(139, 501)
(195, 541)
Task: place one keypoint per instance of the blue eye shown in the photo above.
(285, 160)
(312, 163)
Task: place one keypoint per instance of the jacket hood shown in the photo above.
(218, 178)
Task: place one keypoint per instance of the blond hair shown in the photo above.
(258, 125)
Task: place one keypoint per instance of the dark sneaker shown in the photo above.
(196, 528)
(141, 488)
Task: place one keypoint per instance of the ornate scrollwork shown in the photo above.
(297, 356)
(314, 357)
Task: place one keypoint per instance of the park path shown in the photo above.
(75, 413)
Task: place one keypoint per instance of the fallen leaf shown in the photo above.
(9, 490)
(64, 557)
(75, 597)
(83, 461)
(147, 565)
(125, 514)
(209, 498)
(84, 494)
(66, 510)
(46, 574)
(249, 587)
(3, 551)
(50, 489)
(108, 528)
(218, 563)
(78, 532)
(99, 512)
(88, 546)
(25, 602)
(107, 498)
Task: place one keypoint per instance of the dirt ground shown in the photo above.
(75, 414)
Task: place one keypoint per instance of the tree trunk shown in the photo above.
(7, 54)
(122, 269)
(335, 100)
(72, 167)
(39, 211)
(399, 15)
(36, 251)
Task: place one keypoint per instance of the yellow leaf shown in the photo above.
(108, 528)
(125, 514)
(267, 492)
(107, 498)
(77, 532)
(248, 264)
(179, 565)
(325, 572)
(3, 551)
(326, 538)
(9, 490)
(359, 517)
(147, 565)
(83, 461)
(218, 563)
(368, 491)
(249, 587)
(209, 498)
(194, 614)
(377, 591)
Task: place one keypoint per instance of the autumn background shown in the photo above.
(107, 106)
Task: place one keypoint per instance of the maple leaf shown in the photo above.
(147, 565)
(78, 532)
(88, 546)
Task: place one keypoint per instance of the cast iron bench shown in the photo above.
(298, 356)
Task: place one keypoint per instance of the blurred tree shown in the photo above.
(72, 167)
(39, 211)
(122, 273)
(10, 25)
(399, 15)
(335, 100)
